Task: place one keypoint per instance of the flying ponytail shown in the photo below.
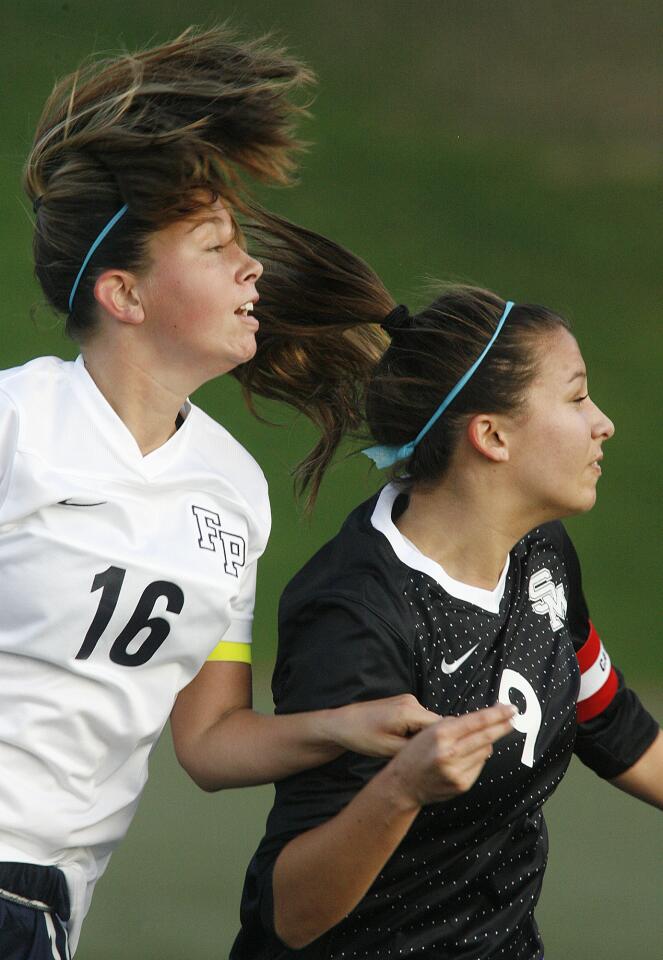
(320, 338)
(323, 349)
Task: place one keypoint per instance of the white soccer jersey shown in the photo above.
(121, 575)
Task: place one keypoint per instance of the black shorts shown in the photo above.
(34, 909)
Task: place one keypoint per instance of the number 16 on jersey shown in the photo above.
(110, 583)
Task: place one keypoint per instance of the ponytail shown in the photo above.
(319, 340)
(323, 350)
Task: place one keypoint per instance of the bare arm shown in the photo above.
(322, 874)
(644, 779)
(221, 742)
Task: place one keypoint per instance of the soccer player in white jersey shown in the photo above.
(458, 584)
(130, 522)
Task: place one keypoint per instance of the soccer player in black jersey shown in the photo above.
(458, 584)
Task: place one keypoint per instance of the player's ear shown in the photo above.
(488, 436)
(116, 291)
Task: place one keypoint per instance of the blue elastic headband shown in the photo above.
(109, 226)
(385, 456)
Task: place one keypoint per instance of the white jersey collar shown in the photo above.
(116, 432)
(411, 556)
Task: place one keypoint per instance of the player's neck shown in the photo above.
(467, 529)
(146, 405)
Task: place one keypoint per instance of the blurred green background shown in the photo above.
(513, 144)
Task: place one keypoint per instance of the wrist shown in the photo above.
(394, 784)
(327, 732)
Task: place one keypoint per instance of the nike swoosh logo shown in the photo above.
(452, 667)
(69, 502)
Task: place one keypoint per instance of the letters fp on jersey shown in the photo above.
(210, 533)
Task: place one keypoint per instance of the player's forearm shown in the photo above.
(644, 779)
(321, 875)
(245, 748)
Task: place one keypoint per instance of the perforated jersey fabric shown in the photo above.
(370, 616)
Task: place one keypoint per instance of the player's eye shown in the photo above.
(580, 399)
(231, 234)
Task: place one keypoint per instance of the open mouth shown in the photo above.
(245, 309)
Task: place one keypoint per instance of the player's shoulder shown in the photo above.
(357, 566)
(31, 396)
(219, 453)
(548, 550)
(24, 386)
(551, 535)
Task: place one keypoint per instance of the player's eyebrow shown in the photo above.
(203, 220)
(578, 374)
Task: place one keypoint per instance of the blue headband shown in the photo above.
(104, 233)
(385, 456)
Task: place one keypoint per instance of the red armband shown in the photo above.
(598, 680)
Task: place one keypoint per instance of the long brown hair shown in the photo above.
(164, 131)
(321, 348)
(319, 340)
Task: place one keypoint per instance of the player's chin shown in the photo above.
(227, 356)
(245, 347)
(587, 499)
(578, 501)
(251, 347)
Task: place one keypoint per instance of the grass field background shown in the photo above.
(514, 144)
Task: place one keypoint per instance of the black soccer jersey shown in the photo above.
(370, 616)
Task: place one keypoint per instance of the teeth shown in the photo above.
(246, 308)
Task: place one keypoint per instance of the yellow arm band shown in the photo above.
(236, 652)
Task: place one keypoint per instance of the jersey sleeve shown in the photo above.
(235, 645)
(338, 651)
(8, 444)
(334, 653)
(614, 729)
